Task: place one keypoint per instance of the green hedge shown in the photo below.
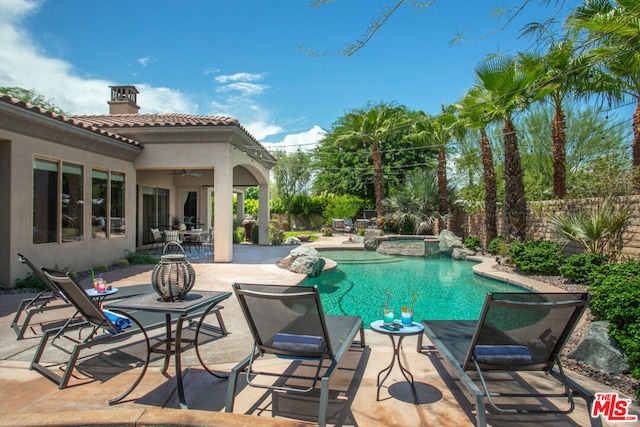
(538, 257)
(615, 297)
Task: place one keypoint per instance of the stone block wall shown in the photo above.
(464, 224)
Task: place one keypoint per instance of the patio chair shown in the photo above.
(288, 322)
(207, 244)
(158, 238)
(516, 332)
(171, 237)
(104, 327)
(46, 300)
(339, 226)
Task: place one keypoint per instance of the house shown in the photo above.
(81, 191)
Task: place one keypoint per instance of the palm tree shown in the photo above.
(510, 87)
(613, 30)
(416, 202)
(371, 127)
(563, 71)
(474, 110)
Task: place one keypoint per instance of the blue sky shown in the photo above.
(242, 58)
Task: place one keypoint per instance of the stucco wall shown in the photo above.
(75, 255)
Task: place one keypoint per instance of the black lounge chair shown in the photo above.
(515, 332)
(288, 322)
(104, 327)
(46, 300)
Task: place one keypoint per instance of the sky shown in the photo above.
(248, 59)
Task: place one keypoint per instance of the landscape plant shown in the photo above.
(537, 257)
(615, 297)
(497, 245)
(472, 243)
(578, 267)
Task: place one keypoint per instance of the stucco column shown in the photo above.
(223, 211)
(264, 214)
(240, 208)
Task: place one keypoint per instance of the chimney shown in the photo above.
(123, 100)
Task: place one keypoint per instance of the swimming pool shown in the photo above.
(446, 289)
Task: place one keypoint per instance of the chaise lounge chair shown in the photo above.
(104, 327)
(46, 300)
(288, 322)
(515, 332)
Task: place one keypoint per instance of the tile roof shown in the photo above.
(69, 120)
(115, 121)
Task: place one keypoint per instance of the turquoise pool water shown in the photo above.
(446, 289)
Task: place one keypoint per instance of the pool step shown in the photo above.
(403, 248)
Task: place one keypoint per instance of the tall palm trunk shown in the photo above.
(559, 155)
(515, 201)
(490, 187)
(635, 149)
(378, 184)
(442, 181)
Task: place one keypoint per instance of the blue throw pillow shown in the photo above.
(502, 354)
(301, 344)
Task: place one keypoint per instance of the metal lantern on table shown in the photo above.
(173, 277)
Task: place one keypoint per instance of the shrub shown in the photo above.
(238, 236)
(616, 297)
(31, 281)
(577, 267)
(472, 243)
(140, 258)
(101, 268)
(538, 257)
(497, 244)
(122, 263)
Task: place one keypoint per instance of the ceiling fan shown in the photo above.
(186, 172)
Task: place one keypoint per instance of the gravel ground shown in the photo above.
(624, 383)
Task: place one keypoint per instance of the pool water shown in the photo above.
(446, 289)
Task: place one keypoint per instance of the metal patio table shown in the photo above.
(187, 308)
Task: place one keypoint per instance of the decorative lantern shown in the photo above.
(174, 276)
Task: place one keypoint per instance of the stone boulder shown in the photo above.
(309, 265)
(371, 239)
(304, 251)
(461, 253)
(597, 350)
(449, 241)
(293, 241)
(306, 260)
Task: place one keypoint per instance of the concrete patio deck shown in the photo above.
(28, 399)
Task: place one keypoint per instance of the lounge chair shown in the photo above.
(515, 332)
(158, 238)
(288, 322)
(46, 300)
(104, 327)
(339, 226)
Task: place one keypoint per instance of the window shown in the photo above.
(99, 179)
(72, 203)
(58, 202)
(45, 201)
(107, 203)
(117, 203)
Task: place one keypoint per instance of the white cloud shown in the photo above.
(22, 64)
(245, 89)
(247, 77)
(304, 141)
(144, 61)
